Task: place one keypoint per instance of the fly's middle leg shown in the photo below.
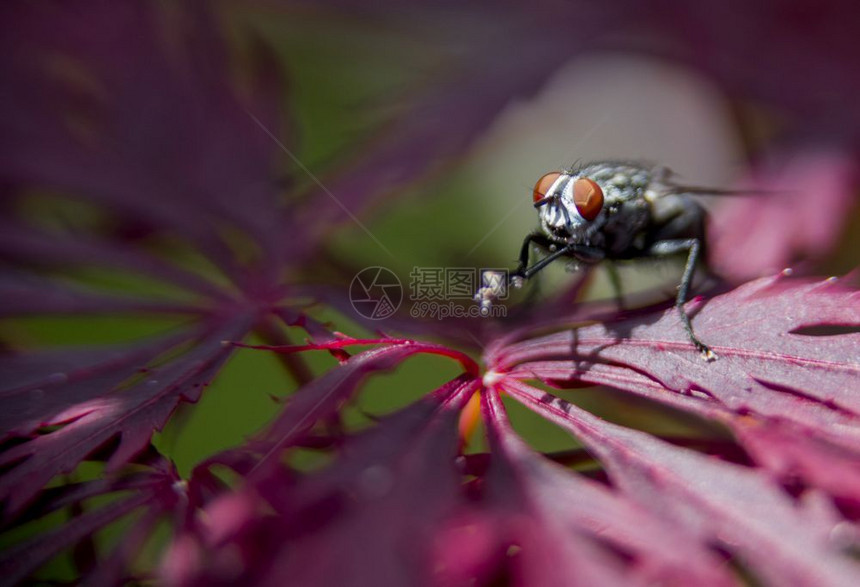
(615, 282)
(693, 248)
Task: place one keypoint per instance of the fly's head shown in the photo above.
(570, 206)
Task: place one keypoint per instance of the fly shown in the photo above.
(614, 210)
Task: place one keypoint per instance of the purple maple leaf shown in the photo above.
(165, 132)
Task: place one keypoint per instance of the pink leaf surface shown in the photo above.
(782, 540)
(768, 363)
(563, 521)
(776, 376)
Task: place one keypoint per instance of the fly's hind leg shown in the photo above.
(693, 248)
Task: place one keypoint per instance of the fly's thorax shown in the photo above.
(668, 205)
(621, 182)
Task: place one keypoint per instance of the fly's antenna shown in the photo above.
(545, 200)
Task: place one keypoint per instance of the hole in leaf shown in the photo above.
(827, 403)
(827, 330)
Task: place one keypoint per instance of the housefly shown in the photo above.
(614, 210)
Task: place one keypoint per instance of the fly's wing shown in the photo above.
(666, 179)
(706, 191)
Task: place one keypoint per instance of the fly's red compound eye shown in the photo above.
(588, 198)
(543, 184)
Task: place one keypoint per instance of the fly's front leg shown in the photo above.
(533, 238)
(496, 284)
(581, 252)
(492, 291)
(693, 247)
